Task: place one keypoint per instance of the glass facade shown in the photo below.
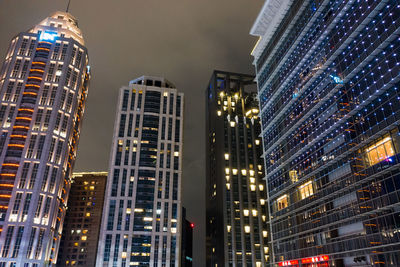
(328, 78)
(142, 212)
(236, 206)
(43, 92)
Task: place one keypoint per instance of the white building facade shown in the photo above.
(43, 90)
(141, 223)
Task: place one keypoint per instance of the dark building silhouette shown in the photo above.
(82, 222)
(187, 241)
(236, 206)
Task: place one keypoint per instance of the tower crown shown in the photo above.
(60, 23)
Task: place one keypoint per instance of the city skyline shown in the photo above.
(200, 47)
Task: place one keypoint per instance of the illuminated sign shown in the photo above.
(336, 79)
(47, 36)
(315, 259)
(288, 263)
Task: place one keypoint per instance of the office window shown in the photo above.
(306, 190)
(380, 150)
(282, 202)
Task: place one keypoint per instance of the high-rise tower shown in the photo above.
(236, 210)
(328, 75)
(142, 211)
(44, 83)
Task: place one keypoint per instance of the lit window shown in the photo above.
(233, 124)
(253, 187)
(228, 186)
(265, 233)
(87, 214)
(379, 151)
(227, 177)
(306, 190)
(246, 212)
(293, 175)
(227, 170)
(254, 212)
(176, 153)
(234, 171)
(226, 156)
(252, 180)
(244, 172)
(251, 172)
(282, 202)
(84, 238)
(228, 227)
(128, 211)
(261, 187)
(219, 112)
(247, 229)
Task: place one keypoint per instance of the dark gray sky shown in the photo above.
(182, 40)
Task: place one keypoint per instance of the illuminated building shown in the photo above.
(44, 83)
(236, 207)
(142, 211)
(186, 241)
(80, 235)
(328, 81)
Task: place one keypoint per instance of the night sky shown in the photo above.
(181, 40)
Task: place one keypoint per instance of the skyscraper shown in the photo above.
(236, 210)
(81, 231)
(44, 83)
(142, 212)
(328, 78)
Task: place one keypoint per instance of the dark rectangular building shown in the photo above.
(236, 207)
(82, 224)
(187, 241)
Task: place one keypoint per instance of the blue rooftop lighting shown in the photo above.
(47, 36)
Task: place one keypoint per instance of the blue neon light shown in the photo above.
(47, 36)
(336, 79)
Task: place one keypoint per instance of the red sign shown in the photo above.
(288, 263)
(315, 259)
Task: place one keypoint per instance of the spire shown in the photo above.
(69, 2)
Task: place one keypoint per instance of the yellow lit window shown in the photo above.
(265, 233)
(253, 187)
(233, 124)
(251, 172)
(91, 187)
(254, 213)
(261, 187)
(244, 172)
(228, 228)
(228, 186)
(293, 175)
(219, 113)
(176, 153)
(246, 212)
(282, 202)
(227, 177)
(247, 229)
(87, 214)
(227, 170)
(84, 237)
(128, 211)
(252, 180)
(165, 93)
(234, 171)
(226, 156)
(306, 190)
(381, 150)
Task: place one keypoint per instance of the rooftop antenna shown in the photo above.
(69, 2)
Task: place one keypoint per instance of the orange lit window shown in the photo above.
(306, 190)
(282, 202)
(380, 151)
